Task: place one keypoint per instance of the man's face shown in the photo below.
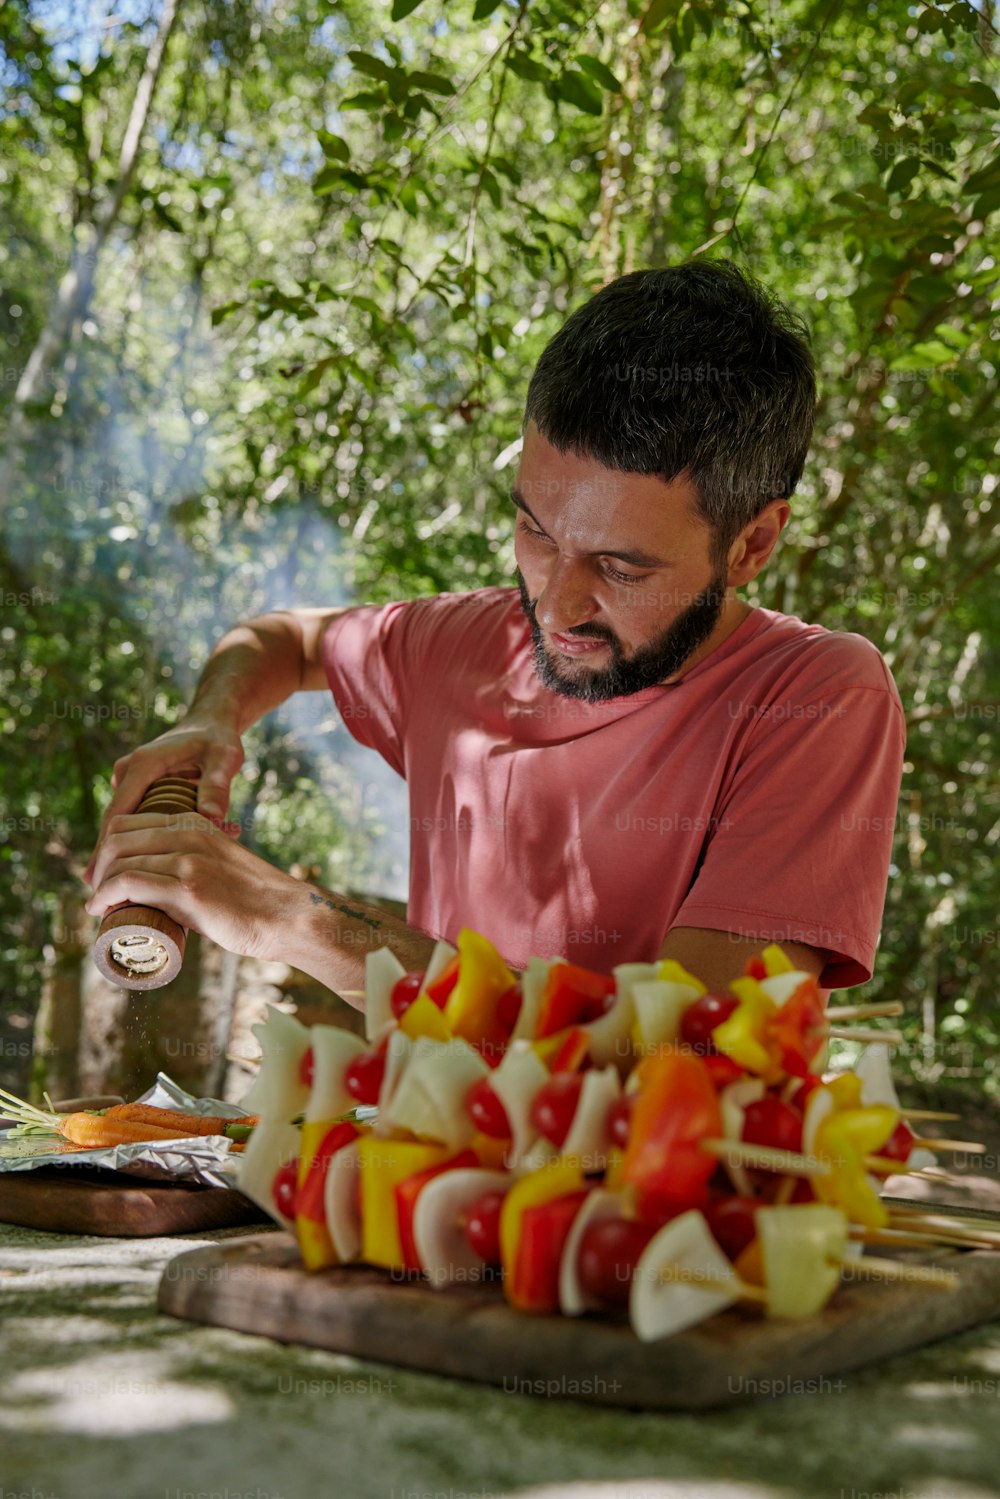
(615, 571)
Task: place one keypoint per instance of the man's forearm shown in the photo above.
(329, 935)
(260, 663)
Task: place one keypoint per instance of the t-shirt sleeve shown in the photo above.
(365, 660)
(800, 848)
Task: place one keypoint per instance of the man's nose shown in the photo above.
(566, 599)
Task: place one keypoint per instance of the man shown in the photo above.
(620, 758)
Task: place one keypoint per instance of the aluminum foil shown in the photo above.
(208, 1159)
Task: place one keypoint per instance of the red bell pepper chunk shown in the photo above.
(407, 1193)
(544, 1230)
(444, 983)
(572, 996)
(676, 1108)
(309, 1197)
(799, 1028)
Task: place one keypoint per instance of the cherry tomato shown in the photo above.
(555, 1104)
(768, 1121)
(404, 992)
(509, 1007)
(900, 1142)
(284, 1187)
(607, 1257)
(731, 1220)
(486, 1111)
(307, 1068)
(482, 1226)
(363, 1077)
(619, 1118)
(700, 1019)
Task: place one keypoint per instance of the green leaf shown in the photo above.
(333, 147)
(373, 66)
(902, 174)
(402, 8)
(925, 355)
(578, 90)
(224, 310)
(370, 102)
(987, 203)
(333, 175)
(432, 83)
(484, 9)
(658, 14)
(492, 187)
(527, 67)
(599, 71)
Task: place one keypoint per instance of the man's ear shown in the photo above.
(753, 546)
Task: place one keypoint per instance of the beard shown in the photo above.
(649, 665)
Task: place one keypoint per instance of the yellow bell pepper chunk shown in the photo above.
(845, 1138)
(744, 1036)
(846, 1090)
(776, 961)
(676, 973)
(383, 1164)
(423, 1018)
(315, 1244)
(557, 1179)
(483, 976)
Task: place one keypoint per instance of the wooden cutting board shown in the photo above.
(258, 1285)
(113, 1205)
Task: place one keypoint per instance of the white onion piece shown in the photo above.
(412, 1108)
(781, 986)
(340, 1202)
(542, 1153)
(819, 1106)
(659, 1009)
(278, 1092)
(430, 1099)
(397, 1055)
(334, 1049)
(596, 1206)
(533, 981)
(658, 1308)
(272, 1144)
(382, 970)
(873, 1067)
(801, 1248)
(610, 1036)
(588, 1141)
(733, 1101)
(438, 1231)
(438, 962)
(515, 1082)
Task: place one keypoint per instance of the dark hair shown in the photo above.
(694, 370)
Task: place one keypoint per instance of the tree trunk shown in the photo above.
(77, 285)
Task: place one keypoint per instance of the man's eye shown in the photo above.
(531, 531)
(620, 577)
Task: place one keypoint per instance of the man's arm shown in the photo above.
(719, 957)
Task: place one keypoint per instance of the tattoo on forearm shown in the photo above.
(333, 905)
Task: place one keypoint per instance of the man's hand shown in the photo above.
(200, 744)
(189, 868)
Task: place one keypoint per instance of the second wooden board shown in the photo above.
(258, 1285)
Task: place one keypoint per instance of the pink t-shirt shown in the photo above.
(757, 795)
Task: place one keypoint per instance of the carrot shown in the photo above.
(96, 1130)
(193, 1124)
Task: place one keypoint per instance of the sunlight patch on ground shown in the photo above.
(108, 1396)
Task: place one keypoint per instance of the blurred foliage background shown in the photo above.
(273, 277)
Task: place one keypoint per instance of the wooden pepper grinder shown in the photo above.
(139, 947)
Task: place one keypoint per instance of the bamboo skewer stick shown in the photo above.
(738, 1153)
(927, 1114)
(849, 1033)
(864, 1012)
(970, 1147)
(681, 1275)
